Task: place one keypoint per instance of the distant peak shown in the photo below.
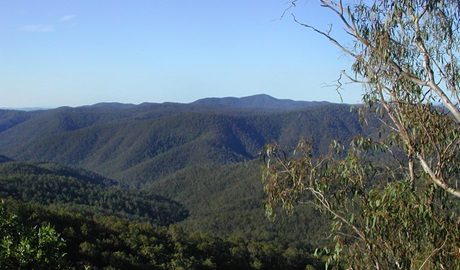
(112, 105)
(260, 96)
(262, 101)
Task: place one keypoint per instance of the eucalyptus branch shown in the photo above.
(435, 179)
(431, 83)
(320, 197)
(325, 35)
(405, 61)
(434, 252)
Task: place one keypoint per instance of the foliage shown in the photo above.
(406, 56)
(92, 219)
(113, 243)
(401, 213)
(24, 247)
(84, 192)
(223, 201)
(227, 201)
(197, 155)
(376, 217)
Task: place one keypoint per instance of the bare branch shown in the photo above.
(327, 36)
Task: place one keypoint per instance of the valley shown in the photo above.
(192, 166)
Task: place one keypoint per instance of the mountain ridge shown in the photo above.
(261, 101)
(150, 142)
(200, 158)
(257, 101)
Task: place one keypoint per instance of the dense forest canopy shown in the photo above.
(161, 186)
(139, 144)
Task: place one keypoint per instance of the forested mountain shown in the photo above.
(139, 144)
(114, 243)
(11, 118)
(193, 165)
(227, 200)
(81, 191)
(256, 102)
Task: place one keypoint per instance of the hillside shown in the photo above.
(228, 200)
(142, 143)
(202, 155)
(113, 243)
(192, 165)
(82, 191)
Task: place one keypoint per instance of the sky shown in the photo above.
(82, 52)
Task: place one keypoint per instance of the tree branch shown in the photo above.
(435, 179)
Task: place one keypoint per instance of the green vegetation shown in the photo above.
(112, 243)
(141, 144)
(401, 213)
(84, 192)
(185, 191)
(25, 247)
(228, 201)
(186, 195)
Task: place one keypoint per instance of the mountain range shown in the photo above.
(200, 157)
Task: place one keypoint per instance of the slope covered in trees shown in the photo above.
(228, 200)
(139, 144)
(113, 243)
(192, 165)
(84, 192)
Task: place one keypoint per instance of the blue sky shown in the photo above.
(80, 52)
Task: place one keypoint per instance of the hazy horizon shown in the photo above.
(127, 103)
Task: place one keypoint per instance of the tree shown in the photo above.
(23, 247)
(393, 196)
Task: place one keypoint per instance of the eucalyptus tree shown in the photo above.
(24, 247)
(392, 196)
